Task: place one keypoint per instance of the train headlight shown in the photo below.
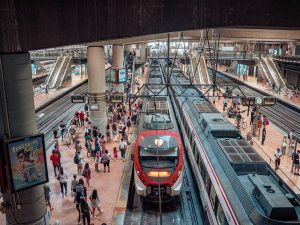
(158, 142)
(158, 173)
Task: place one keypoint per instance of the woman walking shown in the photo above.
(62, 177)
(95, 202)
(87, 173)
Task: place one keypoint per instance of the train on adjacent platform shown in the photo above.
(158, 153)
(236, 185)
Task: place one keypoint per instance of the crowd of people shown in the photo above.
(90, 146)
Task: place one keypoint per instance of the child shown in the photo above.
(74, 183)
(115, 152)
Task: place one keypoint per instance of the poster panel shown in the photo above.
(27, 162)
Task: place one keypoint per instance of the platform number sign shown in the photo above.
(78, 98)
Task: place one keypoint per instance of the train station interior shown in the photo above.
(149, 112)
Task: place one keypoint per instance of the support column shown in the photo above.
(143, 53)
(118, 63)
(97, 88)
(17, 115)
(293, 49)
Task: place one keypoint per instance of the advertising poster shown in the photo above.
(27, 160)
(122, 75)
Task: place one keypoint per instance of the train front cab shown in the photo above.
(167, 171)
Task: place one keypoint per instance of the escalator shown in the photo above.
(274, 68)
(203, 71)
(266, 72)
(65, 71)
(51, 77)
(195, 71)
(199, 69)
(59, 72)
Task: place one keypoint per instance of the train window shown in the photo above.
(206, 180)
(212, 196)
(221, 216)
(200, 164)
(193, 143)
(191, 138)
(196, 156)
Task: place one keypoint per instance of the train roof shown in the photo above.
(248, 181)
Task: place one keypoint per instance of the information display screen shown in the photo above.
(27, 162)
(122, 75)
(269, 101)
(78, 99)
(116, 98)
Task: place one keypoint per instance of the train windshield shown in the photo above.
(158, 152)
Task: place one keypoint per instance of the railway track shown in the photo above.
(184, 210)
(281, 116)
(53, 114)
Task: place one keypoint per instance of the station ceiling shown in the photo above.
(226, 35)
(37, 24)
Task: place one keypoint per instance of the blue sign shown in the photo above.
(122, 75)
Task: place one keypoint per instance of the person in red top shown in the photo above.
(55, 161)
(81, 115)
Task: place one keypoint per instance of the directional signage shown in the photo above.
(269, 101)
(116, 97)
(262, 101)
(78, 98)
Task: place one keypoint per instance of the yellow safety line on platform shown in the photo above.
(121, 204)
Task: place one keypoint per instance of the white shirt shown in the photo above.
(63, 178)
(277, 155)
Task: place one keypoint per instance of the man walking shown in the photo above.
(277, 158)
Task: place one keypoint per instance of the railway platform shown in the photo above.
(294, 100)
(41, 98)
(274, 137)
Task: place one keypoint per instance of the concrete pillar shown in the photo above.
(96, 74)
(118, 63)
(17, 114)
(293, 49)
(143, 52)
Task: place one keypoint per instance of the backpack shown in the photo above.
(105, 159)
(79, 193)
(85, 173)
(122, 146)
(76, 159)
